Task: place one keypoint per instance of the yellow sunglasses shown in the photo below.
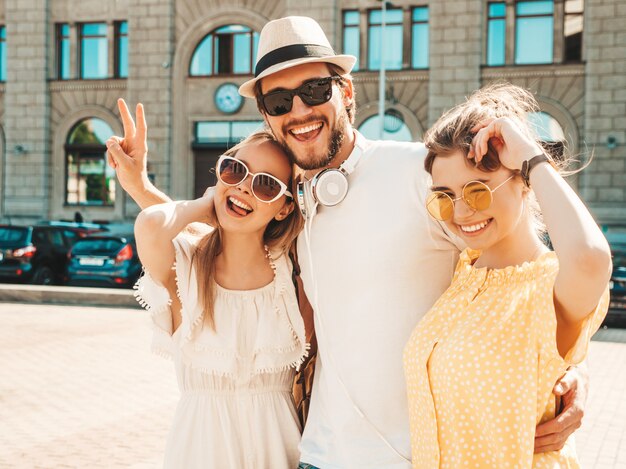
(476, 195)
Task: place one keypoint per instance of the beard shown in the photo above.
(322, 158)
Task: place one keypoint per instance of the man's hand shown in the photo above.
(572, 387)
(128, 155)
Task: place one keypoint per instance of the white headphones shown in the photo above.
(328, 187)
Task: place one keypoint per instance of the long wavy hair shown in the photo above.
(278, 235)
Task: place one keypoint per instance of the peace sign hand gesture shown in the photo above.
(128, 155)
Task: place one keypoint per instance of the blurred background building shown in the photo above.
(63, 64)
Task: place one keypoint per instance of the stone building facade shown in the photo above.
(43, 101)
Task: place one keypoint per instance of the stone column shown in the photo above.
(603, 183)
(151, 50)
(26, 111)
(455, 53)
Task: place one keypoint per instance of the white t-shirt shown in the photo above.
(379, 264)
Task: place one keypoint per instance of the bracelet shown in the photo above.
(529, 165)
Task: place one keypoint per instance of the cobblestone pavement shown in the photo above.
(80, 389)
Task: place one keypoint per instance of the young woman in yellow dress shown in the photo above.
(481, 365)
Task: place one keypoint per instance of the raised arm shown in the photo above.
(128, 156)
(156, 227)
(583, 252)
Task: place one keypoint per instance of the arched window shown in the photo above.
(229, 50)
(549, 131)
(394, 127)
(89, 180)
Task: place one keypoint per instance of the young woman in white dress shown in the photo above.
(225, 309)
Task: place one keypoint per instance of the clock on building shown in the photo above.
(227, 98)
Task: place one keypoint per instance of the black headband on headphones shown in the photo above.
(294, 51)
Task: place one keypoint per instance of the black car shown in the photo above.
(81, 228)
(617, 241)
(104, 261)
(36, 254)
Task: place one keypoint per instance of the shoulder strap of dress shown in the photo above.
(306, 310)
(295, 269)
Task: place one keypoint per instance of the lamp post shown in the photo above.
(381, 76)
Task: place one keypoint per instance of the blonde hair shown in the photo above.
(278, 235)
(453, 131)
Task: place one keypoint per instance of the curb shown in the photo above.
(79, 296)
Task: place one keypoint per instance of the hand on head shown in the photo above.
(506, 137)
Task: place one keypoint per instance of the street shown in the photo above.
(79, 388)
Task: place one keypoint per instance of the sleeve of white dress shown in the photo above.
(155, 298)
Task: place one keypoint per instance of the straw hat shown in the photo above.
(291, 41)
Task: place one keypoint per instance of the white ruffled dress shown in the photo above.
(236, 409)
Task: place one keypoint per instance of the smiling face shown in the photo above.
(500, 226)
(312, 136)
(237, 209)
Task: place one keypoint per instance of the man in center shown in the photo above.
(372, 264)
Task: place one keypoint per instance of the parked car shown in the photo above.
(617, 241)
(82, 228)
(36, 254)
(104, 261)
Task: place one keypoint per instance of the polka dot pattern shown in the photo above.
(481, 365)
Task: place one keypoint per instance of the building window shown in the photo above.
(496, 34)
(121, 49)
(224, 132)
(393, 127)
(549, 132)
(534, 32)
(352, 35)
(229, 50)
(573, 30)
(3, 54)
(89, 180)
(400, 24)
(419, 37)
(63, 51)
(393, 39)
(93, 51)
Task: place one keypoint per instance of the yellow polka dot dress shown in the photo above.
(481, 365)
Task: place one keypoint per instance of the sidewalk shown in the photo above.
(80, 389)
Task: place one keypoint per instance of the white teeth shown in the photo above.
(473, 228)
(308, 128)
(240, 204)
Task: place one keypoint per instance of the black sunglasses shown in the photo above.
(312, 93)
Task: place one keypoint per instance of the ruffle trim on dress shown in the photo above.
(291, 313)
(529, 270)
(155, 299)
(191, 319)
(228, 364)
(222, 360)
